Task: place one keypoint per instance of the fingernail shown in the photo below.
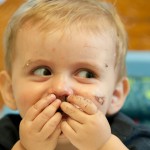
(51, 96)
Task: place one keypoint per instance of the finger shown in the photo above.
(34, 111)
(73, 112)
(55, 135)
(46, 115)
(51, 125)
(83, 103)
(73, 124)
(67, 130)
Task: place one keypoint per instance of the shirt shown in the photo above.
(134, 136)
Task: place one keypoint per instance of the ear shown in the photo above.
(6, 90)
(119, 96)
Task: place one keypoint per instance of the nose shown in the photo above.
(61, 86)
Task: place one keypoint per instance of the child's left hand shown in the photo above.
(86, 127)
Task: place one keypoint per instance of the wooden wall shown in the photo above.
(135, 15)
(6, 11)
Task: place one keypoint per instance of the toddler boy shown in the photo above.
(65, 74)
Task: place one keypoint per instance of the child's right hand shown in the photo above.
(40, 127)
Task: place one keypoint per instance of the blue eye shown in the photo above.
(42, 71)
(86, 74)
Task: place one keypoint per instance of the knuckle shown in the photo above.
(88, 101)
(70, 110)
(36, 107)
(53, 123)
(45, 115)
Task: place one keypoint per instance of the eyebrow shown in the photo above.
(91, 65)
(32, 61)
(94, 66)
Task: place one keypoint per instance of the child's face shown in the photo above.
(75, 63)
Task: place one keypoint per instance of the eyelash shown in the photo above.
(91, 73)
(41, 67)
(84, 71)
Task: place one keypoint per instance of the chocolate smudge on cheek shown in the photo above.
(100, 99)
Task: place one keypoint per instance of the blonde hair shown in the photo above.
(60, 14)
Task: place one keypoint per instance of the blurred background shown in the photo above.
(136, 16)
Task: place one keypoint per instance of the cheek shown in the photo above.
(25, 97)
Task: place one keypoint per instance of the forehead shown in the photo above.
(28, 31)
(32, 43)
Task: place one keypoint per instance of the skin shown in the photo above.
(75, 73)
